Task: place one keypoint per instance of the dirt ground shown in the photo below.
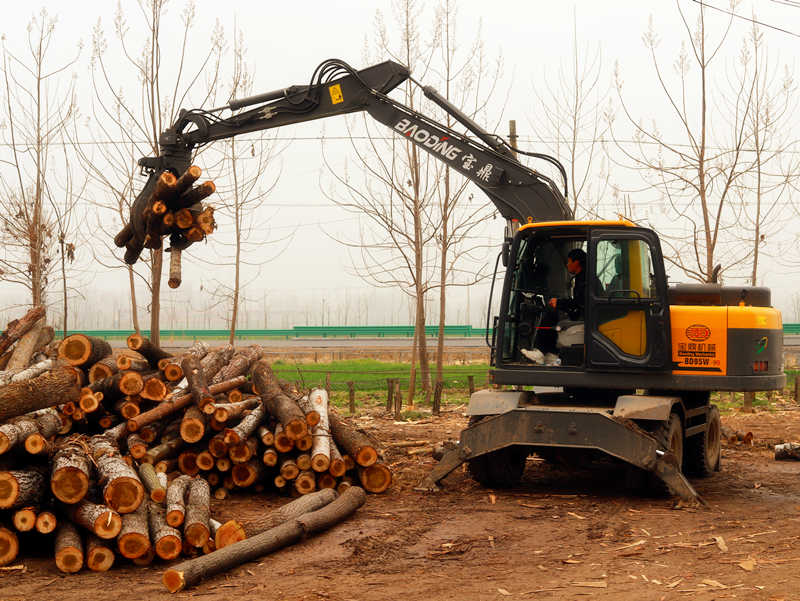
(561, 535)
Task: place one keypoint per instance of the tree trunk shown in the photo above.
(79, 349)
(68, 548)
(352, 442)
(153, 388)
(69, 479)
(148, 476)
(190, 572)
(174, 268)
(15, 432)
(19, 327)
(122, 489)
(283, 443)
(176, 506)
(198, 510)
(19, 488)
(277, 403)
(52, 388)
(104, 522)
(137, 447)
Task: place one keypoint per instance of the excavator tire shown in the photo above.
(702, 457)
(669, 435)
(499, 469)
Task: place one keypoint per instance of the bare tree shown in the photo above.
(138, 116)
(469, 79)
(697, 176)
(244, 163)
(37, 107)
(570, 122)
(396, 197)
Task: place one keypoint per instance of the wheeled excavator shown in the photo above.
(630, 374)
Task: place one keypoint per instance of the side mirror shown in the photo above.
(505, 253)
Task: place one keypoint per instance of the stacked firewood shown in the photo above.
(174, 208)
(120, 454)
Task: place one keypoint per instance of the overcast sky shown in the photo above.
(286, 41)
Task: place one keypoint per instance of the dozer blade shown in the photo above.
(449, 461)
(666, 468)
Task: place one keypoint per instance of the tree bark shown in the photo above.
(190, 572)
(277, 402)
(246, 427)
(238, 365)
(52, 388)
(150, 350)
(168, 448)
(214, 361)
(104, 522)
(176, 506)
(226, 411)
(196, 381)
(148, 476)
(69, 479)
(165, 538)
(198, 510)
(15, 432)
(79, 350)
(48, 424)
(19, 488)
(23, 351)
(137, 447)
(352, 442)
(122, 489)
(69, 548)
(321, 449)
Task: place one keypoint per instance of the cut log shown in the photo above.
(375, 478)
(9, 546)
(172, 369)
(344, 484)
(305, 482)
(303, 461)
(151, 352)
(196, 381)
(24, 519)
(15, 432)
(90, 401)
(312, 414)
(270, 458)
(99, 557)
(149, 478)
(165, 539)
(131, 383)
(48, 424)
(238, 365)
(244, 451)
(246, 474)
(193, 425)
(104, 522)
(187, 463)
(246, 427)
(55, 387)
(147, 558)
(190, 572)
(283, 444)
(154, 388)
(326, 481)
(69, 479)
(289, 469)
(321, 447)
(105, 368)
(69, 548)
(176, 507)
(133, 361)
(265, 435)
(305, 443)
(205, 461)
(217, 446)
(19, 327)
(23, 351)
(226, 534)
(214, 361)
(33, 371)
(186, 180)
(213, 479)
(293, 509)
(351, 441)
(122, 489)
(337, 468)
(198, 509)
(225, 411)
(285, 409)
(168, 448)
(174, 268)
(19, 488)
(134, 537)
(137, 447)
(46, 522)
(80, 349)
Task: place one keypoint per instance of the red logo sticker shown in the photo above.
(698, 332)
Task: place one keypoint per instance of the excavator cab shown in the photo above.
(611, 316)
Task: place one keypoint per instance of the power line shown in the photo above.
(743, 18)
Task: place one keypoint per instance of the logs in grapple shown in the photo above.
(163, 209)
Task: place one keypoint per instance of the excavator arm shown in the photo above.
(336, 89)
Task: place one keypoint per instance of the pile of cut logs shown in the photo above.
(172, 208)
(121, 454)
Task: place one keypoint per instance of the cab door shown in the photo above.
(628, 315)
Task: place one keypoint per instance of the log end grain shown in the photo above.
(197, 534)
(9, 546)
(46, 522)
(375, 478)
(124, 494)
(75, 349)
(175, 517)
(24, 519)
(131, 383)
(133, 544)
(366, 456)
(108, 524)
(168, 547)
(296, 429)
(230, 532)
(99, 558)
(69, 484)
(9, 490)
(173, 580)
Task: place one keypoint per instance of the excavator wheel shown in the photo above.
(703, 450)
(499, 469)
(669, 435)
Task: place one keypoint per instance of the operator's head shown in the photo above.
(576, 261)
